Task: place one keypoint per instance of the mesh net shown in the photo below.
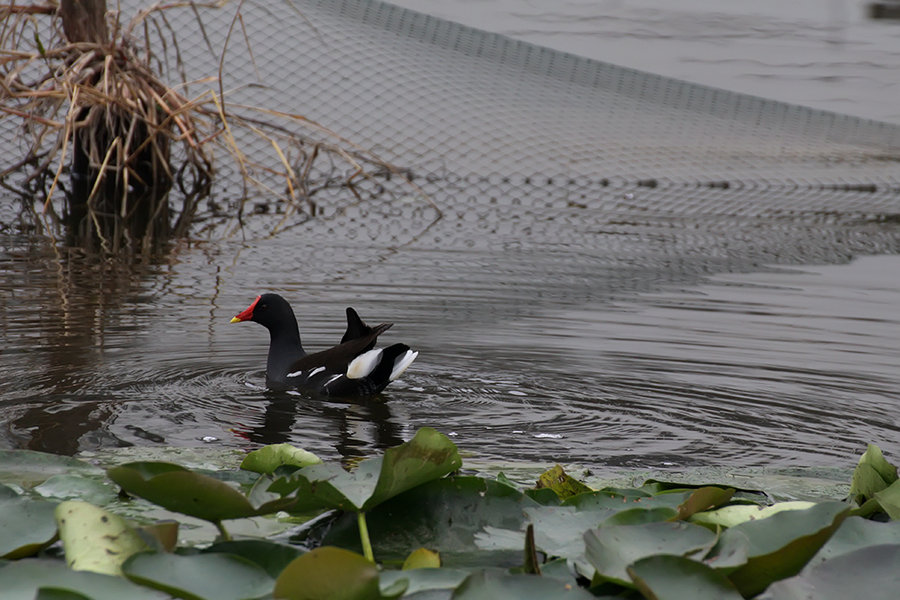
(475, 114)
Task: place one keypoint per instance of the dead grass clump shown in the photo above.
(93, 104)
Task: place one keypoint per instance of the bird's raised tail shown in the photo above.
(357, 328)
(374, 369)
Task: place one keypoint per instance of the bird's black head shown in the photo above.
(269, 310)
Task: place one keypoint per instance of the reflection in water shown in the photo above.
(283, 414)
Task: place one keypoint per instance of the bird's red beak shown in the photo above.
(247, 314)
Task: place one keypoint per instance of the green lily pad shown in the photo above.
(428, 456)
(612, 549)
(422, 558)
(447, 515)
(21, 580)
(872, 573)
(28, 468)
(490, 585)
(330, 573)
(424, 580)
(780, 545)
(678, 578)
(180, 490)
(560, 482)
(636, 516)
(729, 516)
(268, 458)
(271, 556)
(76, 487)
(889, 499)
(873, 474)
(856, 533)
(26, 526)
(704, 499)
(216, 576)
(94, 539)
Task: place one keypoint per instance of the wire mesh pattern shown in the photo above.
(459, 106)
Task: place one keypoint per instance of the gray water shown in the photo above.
(551, 327)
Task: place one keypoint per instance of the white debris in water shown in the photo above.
(552, 436)
(518, 431)
(209, 438)
(452, 434)
(253, 386)
(417, 389)
(517, 393)
(293, 393)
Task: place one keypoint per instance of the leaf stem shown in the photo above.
(364, 536)
(226, 537)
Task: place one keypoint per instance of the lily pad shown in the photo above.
(76, 487)
(26, 526)
(330, 573)
(873, 473)
(28, 468)
(491, 585)
(780, 545)
(424, 580)
(704, 499)
(560, 482)
(422, 558)
(180, 490)
(678, 578)
(729, 516)
(872, 573)
(428, 456)
(21, 580)
(446, 515)
(268, 458)
(94, 539)
(611, 550)
(271, 556)
(216, 576)
(856, 533)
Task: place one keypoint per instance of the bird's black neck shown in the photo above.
(284, 349)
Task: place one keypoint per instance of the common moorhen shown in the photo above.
(352, 368)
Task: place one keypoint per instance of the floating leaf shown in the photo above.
(780, 545)
(428, 456)
(489, 585)
(889, 500)
(76, 487)
(872, 474)
(636, 516)
(26, 526)
(703, 499)
(678, 578)
(856, 533)
(329, 573)
(268, 458)
(214, 575)
(446, 515)
(729, 516)
(177, 489)
(560, 482)
(423, 580)
(422, 558)
(94, 539)
(21, 580)
(871, 573)
(272, 557)
(28, 468)
(612, 549)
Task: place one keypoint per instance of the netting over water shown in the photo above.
(471, 112)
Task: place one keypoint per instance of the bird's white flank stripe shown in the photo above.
(314, 371)
(295, 374)
(333, 377)
(401, 363)
(363, 364)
